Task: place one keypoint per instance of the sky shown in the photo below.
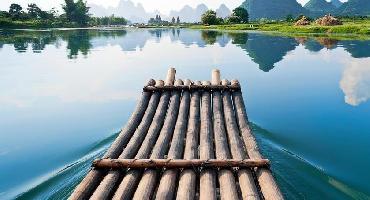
(163, 6)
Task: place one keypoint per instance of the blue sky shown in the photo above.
(150, 5)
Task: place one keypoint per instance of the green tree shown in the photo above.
(34, 11)
(210, 18)
(242, 14)
(173, 20)
(15, 11)
(289, 18)
(178, 20)
(233, 19)
(69, 8)
(82, 13)
(4, 14)
(76, 12)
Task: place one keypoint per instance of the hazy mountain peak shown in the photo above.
(223, 11)
(137, 13)
(319, 6)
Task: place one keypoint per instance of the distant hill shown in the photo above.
(355, 7)
(189, 14)
(125, 8)
(279, 9)
(319, 7)
(223, 11)
(137, 14)
(336, 3)
(273, 9)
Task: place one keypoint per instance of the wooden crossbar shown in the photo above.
(192, 87)
(178, 163)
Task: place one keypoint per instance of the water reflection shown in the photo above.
(355, 82)
(80, 42)
(263, 49)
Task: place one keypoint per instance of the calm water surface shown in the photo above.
(65, 94)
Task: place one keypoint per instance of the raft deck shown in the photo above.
(185, 140)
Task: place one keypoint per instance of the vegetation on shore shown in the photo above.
(349, 26)
(75, 14)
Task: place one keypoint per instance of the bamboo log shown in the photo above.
(226, 178)
(126, 187)
(170, 79)
(216, 77)
(168, 182)
(148, 181)
(187, 180)
(94, 176)
(269, 188)
(206, 147)
(178, 163)
(152, 118)
(245, 176)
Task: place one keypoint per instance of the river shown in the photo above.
(66, 93)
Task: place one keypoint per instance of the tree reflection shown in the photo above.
(264, 49)
(210, 37)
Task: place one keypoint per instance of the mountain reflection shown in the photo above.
(263, 49)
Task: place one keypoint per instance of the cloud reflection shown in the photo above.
(355, 82)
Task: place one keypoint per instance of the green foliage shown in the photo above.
(76, 16)
(289, 18)
(210, 18)
(15, 11)
(4, 14)
(76, 12)
(242, 14)
(104, 21)
(360, 27)
(239, 16)
(34, 11)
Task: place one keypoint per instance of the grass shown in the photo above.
(349, 27)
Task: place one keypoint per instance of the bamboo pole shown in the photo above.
(245, 176)
(269, 188)
(126, 187)
(178, 163)
(226, 178)
(206, 147)
(108, 184)
(148, 181)
(168, 182)
(154, 117)
(187, 179)
(94, 176)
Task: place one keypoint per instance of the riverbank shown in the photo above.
(349, 27)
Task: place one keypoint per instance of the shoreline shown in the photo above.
(273, 29)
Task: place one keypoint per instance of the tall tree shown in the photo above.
(34, 11)
(15, 11)
(69, 8)
(178, 20)
(82, 13)
(76, 12)
(173, 20)
(209, 18)
(242, 13)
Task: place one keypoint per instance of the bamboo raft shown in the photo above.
(185, 140)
